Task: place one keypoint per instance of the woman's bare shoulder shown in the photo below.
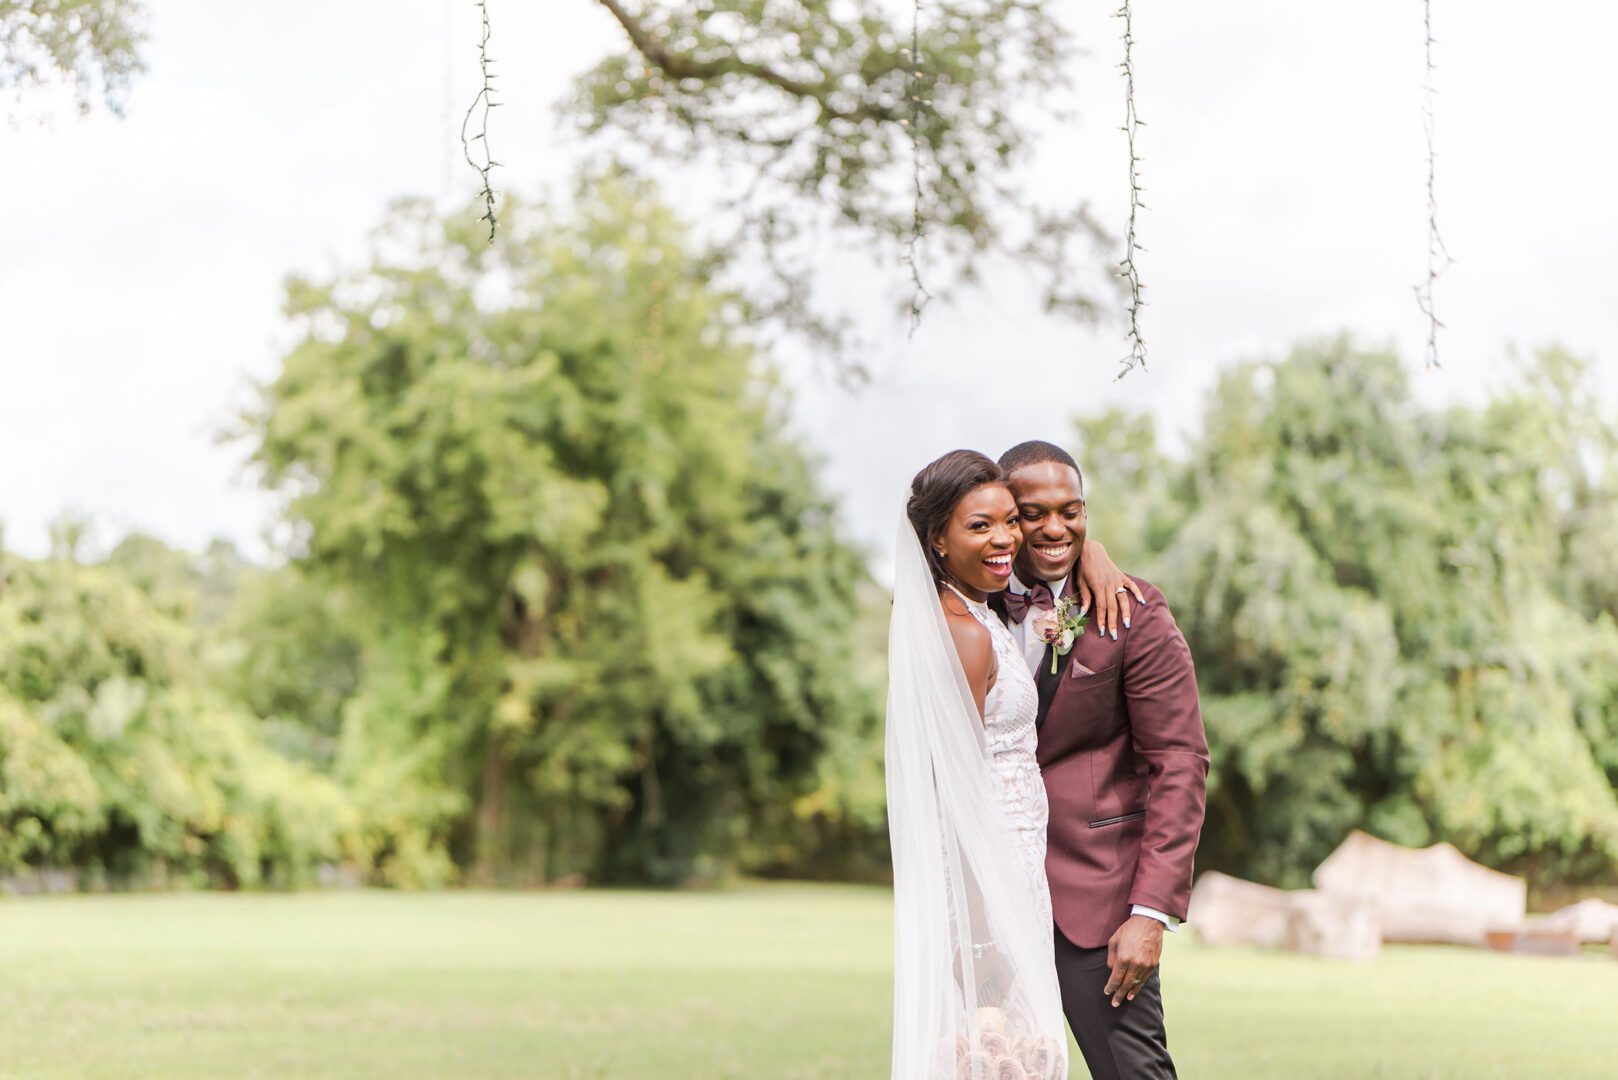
(972, 640)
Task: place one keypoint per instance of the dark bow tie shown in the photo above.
(1037, 598)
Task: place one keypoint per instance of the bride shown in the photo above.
(975, 990)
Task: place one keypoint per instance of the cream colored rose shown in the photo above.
(1036, 1055)
(1007, 1069)
(975, 1066)
(1046, 625)
(994, 1044)
(991, 1018)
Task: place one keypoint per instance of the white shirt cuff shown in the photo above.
(1169, 921)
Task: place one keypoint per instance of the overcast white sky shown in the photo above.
(141, 259)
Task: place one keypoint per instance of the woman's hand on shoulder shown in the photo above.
(1104, 590)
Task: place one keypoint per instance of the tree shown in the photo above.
(199, 590)
(610, 610)
(1395, 612)
(836, 123)
(93, 46)
(120, 759)
(292, 651)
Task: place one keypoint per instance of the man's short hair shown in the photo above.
(1038, 452)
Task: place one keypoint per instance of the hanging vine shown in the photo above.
(820, 118)
(1128, 270)
(485, 101)
(919, 296)
(1438, 257)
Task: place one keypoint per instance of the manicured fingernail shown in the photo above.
(1115, 633)
(1126, 624)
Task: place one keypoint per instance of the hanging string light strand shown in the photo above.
(1438, 257)
(1127, 269)
(919, 296)
(446, 183)
(485, 102)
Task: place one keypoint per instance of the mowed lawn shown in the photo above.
(787, 981)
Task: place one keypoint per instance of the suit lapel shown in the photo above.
(1048, 681)
(1047, 684)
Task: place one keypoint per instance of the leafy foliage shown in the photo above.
(117, 758)
(808, 105)
(91, 45)
(1402, 619)
(610, 613)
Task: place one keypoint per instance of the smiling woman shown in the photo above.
(954, 506)
(980, 541)
(966, 519)
(974, 982)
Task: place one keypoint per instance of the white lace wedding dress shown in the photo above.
(975, 995)
(1009, 713)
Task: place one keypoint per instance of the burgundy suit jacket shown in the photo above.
(1125, 763)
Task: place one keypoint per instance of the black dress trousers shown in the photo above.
(1126, 1043)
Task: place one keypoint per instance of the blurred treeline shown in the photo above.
(560, 601)
(1402, 616)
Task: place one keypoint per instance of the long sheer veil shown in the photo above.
(975, 994)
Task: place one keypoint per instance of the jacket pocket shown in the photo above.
(1104, 822)
(1087, 678)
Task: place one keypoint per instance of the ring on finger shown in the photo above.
(1119, 589)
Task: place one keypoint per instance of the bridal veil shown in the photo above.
(975, 992)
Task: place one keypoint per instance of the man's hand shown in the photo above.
(1100, 582)
(1133, 954)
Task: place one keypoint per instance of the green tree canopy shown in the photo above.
(1402, 618)
(818, 115)
(609, 610)
(92, 46)
(118, 757)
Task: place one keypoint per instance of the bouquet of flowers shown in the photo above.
(1000, 1055)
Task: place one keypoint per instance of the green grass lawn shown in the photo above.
(777, 981)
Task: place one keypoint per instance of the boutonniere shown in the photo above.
(1059, 627)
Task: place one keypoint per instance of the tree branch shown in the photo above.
(676, 66)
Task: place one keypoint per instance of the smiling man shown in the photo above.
(1125, 764)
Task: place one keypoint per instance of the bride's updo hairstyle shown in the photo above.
(935, 491)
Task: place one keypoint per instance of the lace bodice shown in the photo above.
(1009, 715)
(1013, 702)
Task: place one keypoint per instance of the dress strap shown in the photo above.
(974, 605)
(979, 609)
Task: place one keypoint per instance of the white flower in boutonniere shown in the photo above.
(1059, 627)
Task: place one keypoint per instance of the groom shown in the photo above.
(1125, 764)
